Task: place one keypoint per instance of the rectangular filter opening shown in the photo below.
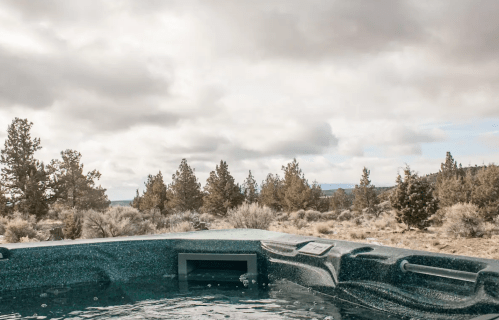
(212, 266)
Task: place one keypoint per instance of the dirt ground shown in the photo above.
(433, 240)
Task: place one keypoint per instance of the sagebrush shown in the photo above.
(18, 228)
(464, 220)
(251, 216)
(117, 221)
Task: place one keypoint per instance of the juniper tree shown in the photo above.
(339, 200)
(222, 193)
(448, 171)
(455, 190)
(413, 200)
(250, 188)
(3, 203)
(365, 194)
(297, 193)
(36, 200)
(272, 192)
(72, 188)
(154, 196)
(317, 200)
(23, 177)
(485, 193)
(136, 200)
(185, 191)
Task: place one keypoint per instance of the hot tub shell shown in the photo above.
(437, 286)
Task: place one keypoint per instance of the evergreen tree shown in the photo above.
(185, 190)
(365, 194)
(72, 188)
(250, 188)
(136, 200)
(23, 177)
(455, 190)
(297, 193)
(36, 201)
(339, 200)
(485, 193)
(3, 203)
(413, 199)
(448, 171)
(272, 192)
(317, 199)
(222, 193)
(154, 195)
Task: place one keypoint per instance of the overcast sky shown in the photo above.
(136, 86)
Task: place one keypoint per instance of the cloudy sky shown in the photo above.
(136, 86)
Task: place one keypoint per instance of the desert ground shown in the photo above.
(382, 231)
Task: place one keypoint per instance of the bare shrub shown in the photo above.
(65, 212)
(30, 218)
(158, 220)
(300, 214)
(357, 235)
(463, 219)
(251, 216)
(117, 221)
(437, 219)
(184, 226)
(207, 217)
(358, 221)
(28, 239)
(312, 215)
(282, 216)
(192, 217)
(322, 228)
(299, 223)
(95, 225)
(345, 215)
(18, 228)
(330, 215)
(386, 221)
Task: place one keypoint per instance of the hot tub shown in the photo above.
(277, 274)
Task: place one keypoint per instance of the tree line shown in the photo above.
(29, 186)
(415, 198)
(221, 193)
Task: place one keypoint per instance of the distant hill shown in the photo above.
(123, 203)
(349, 191)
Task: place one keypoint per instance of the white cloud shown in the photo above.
(136, 86)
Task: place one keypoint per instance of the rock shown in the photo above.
(56, 234)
